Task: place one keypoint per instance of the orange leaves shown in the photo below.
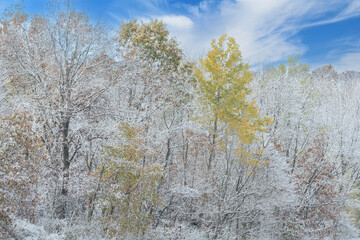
(320, 198)
(14, 15)
(21, 154)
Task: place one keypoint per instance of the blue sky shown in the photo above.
(268, 31)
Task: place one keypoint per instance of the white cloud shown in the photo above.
(199, 9)
(177, 21)
(204, 5)
(344, 54)
(348, 61)
(352, 10)
(263, 28)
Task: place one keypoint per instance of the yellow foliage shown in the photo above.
(222, 86)
(130, 183)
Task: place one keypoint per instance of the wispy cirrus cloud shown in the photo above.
(345, 54)
(267, 30)
(348, 61)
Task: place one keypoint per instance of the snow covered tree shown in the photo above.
(22, 156)
(233, 123)
(299, 103)
(105, 138)
(223, 85)
(154, 40)
(129, 181)
(57, 68)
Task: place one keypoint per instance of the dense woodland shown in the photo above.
(123, 137)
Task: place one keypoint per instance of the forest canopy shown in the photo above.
(124, 137)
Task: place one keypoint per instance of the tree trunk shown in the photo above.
(61, 211)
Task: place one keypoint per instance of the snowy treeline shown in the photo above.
(124, 138)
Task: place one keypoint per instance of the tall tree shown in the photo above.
(60, 66)
(233, 123)
(223, 85)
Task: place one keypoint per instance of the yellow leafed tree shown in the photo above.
(222, 84)
(129, 184)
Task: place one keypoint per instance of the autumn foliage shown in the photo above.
(123, 137)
